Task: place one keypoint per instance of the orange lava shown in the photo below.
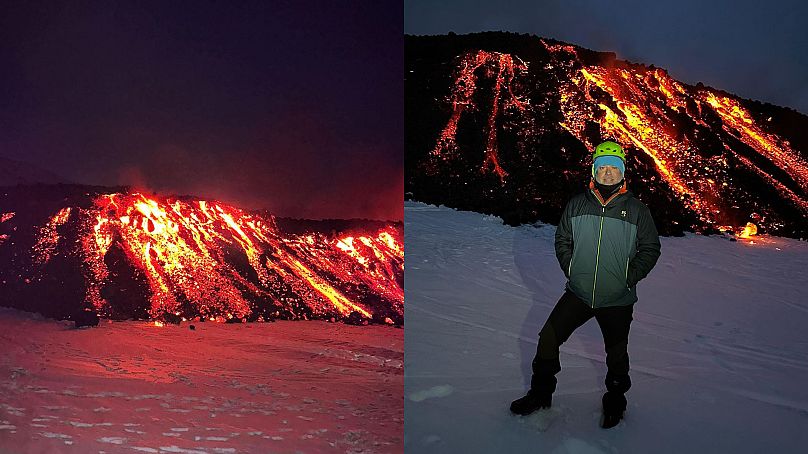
(210, 260)
(749, 230)
(636, 107)
(464, 88)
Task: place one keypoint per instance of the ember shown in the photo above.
(749, 230)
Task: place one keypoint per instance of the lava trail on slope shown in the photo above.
(123, 254)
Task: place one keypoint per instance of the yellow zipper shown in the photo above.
(597, 258)
(627, 273)
(600, 236)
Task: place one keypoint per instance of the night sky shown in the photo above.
(292, 106)
(755, 49)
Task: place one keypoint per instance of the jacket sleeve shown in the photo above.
(648, 250)
(563, 241)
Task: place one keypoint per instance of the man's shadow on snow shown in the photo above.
(541, 274)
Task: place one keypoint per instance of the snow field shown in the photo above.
(134, 387)
(718, 346)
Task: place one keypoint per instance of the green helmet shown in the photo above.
(609, 148)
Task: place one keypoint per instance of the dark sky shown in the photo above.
(755, 49)
(294, 106)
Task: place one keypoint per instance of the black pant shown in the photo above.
(570, 313)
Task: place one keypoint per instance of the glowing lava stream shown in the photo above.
(768, 145)
(461, 99)
(640, 120)
(188, 253)
(48, 238)
(635, 128)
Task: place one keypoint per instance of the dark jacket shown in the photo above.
(606, 247)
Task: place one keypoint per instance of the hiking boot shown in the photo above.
(614, 405)
(530, 403)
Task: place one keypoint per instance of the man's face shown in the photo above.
(608, 175)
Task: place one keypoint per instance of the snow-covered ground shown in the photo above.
(128, 387)
(718, 346)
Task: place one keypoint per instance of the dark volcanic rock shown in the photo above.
(85, 319)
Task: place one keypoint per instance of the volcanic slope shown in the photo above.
(67, 249)
(502, 123)
(718, 354)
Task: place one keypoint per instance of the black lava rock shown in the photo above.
(172, 318)
(85, 319)
(355, 318)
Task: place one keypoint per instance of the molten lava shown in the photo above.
(749, 230)
(206, 260)
(462, 100)
(639, 109)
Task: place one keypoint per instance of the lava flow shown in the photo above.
(641, 108)
(462, 95)
(176, 258)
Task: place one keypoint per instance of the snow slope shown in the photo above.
(128, 387)
(718, 346)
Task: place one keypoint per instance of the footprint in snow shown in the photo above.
(543, 419)
(432, 439)
(434, 392)
(80, 424)
(112, 440)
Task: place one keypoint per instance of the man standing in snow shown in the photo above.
(606, 242)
